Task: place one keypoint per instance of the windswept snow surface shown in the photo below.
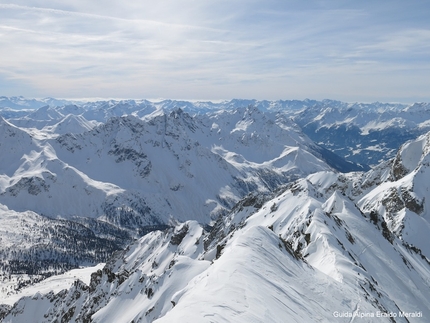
(256, 280)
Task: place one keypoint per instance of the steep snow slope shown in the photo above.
(46, 185)
(257, 280)
(401, 201)
(14, 144)
(393, 194)
(301, 255)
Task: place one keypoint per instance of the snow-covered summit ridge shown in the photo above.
(394, 194)
(411, 155)
(306, 251)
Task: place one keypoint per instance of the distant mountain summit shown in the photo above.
(360, 133)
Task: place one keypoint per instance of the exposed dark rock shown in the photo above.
(177, 237)
(398, 170)
(4, 309)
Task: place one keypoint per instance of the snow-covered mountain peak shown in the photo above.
(45, 113)
(71, 124)
(399, 203)
(335, 204)
(14, 143)
(412, 155)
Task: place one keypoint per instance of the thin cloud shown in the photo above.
(211, 49)
(412, 40)
(59, 12)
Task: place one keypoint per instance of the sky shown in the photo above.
(353, 51)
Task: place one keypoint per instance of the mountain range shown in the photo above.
(215, 211)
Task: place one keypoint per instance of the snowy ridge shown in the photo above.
(302, 253)
(401, 201)
(72, 124)
(294, 240)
